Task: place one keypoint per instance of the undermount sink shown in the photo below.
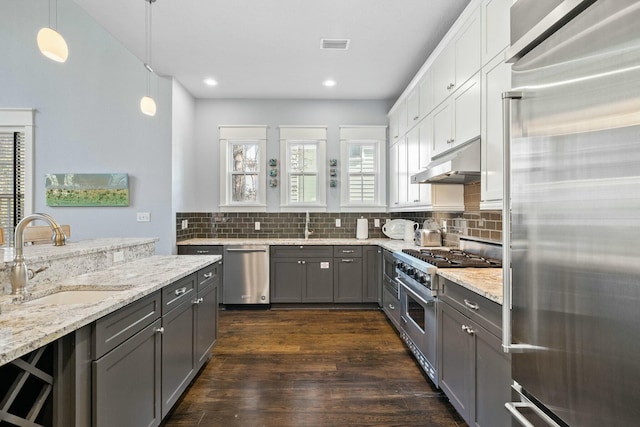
(75, 297)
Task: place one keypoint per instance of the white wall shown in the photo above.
(88, 119)
(212, 113)
(183, 150)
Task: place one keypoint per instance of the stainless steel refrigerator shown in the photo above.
(572, 204)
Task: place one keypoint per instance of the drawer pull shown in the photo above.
(472, 305)
(160, 330)
(347, 260)
(180, 291)
(348, 251)
(202, 252)
(208, 275)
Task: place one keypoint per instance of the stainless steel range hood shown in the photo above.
(460, 165)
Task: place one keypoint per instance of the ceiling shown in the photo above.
(271, 48)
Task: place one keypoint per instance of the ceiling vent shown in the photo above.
(334, 44)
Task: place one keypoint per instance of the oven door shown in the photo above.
(418, 321)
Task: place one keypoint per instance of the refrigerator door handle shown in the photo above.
(507, 346)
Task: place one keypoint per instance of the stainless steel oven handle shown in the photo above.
(413, 293)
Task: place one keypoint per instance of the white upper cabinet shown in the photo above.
(468, 56)
(403, 124)
(394, 199)
(426, 93)
(496, 79)
(457, 120)
(413, 107)
(459, 60)
(495, 28)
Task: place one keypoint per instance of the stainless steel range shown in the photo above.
(418, 287)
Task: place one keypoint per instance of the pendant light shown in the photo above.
(50, 42)
(147, 104)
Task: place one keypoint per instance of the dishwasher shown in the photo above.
(246, 274)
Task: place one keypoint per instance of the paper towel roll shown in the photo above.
(362, 229)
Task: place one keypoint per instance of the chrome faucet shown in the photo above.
(307, 232)
(20, 274)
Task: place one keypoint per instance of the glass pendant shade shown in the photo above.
(52, 45)
(148, 106)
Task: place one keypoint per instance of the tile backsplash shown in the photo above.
(472, 222)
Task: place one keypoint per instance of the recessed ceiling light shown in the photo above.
(329, 83)
(210, 82)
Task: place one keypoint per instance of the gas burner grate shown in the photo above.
(453, 258)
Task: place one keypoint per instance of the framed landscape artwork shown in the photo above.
(87, 189)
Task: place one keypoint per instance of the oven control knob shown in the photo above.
(422, 279)
(409, 271)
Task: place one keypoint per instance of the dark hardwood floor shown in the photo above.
(311, 368)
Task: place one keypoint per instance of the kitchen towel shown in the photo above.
(362, 229)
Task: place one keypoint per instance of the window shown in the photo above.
(16, 130)
(363, 167)
(303, 167)
(243, 176)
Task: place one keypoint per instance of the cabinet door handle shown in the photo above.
(468, 329)
(347, 260)
(392, 307)
(416, 118)
(304, 262)
(180, 291)
(208, 275)
(198, 300)
(472, 305)
(160, 330)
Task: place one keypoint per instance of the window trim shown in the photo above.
(238, 134)
(308, 135)
(363, 135)
(22, 120)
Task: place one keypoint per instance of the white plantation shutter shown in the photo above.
(363, 166)
(12, 181)
(302, 150)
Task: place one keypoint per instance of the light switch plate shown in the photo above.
(338, 222)
(376, 223)
(257, 225)
(118, 256)
(144, 217)
(185, 224)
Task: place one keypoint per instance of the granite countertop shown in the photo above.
(390, 244)
(38, 253)
(24, 328)
(486, 282)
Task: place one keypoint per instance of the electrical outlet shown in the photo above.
(481, 222)
(118, 256)
(185, 224)
(144, 217)
(444, 226)
(338, 222)
(376, 223)
(257, 225)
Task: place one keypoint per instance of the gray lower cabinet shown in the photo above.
(146, 354)
(347, 275)
(207, 312)
(372, 274)
(475, 373)
(301, 274)
(205, 250)
(126, 367)
(178, 339)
